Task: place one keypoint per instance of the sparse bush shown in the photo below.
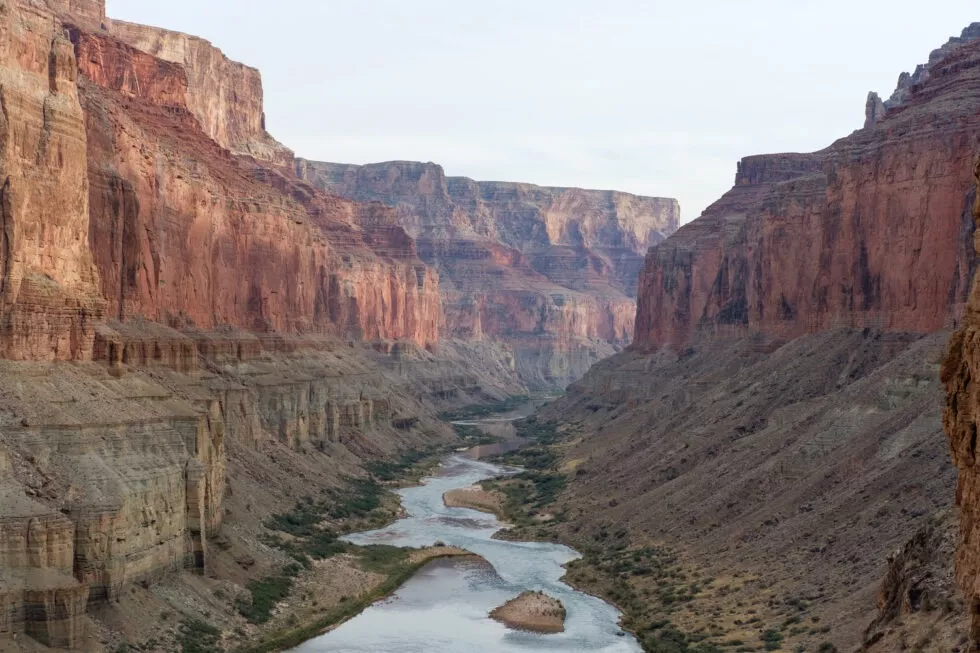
(196, 636)
(772, 639)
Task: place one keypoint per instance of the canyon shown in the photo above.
(776, 425)
(550, 273)
(204, 340)
(192, 338)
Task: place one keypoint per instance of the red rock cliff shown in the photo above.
(550, 272)
(185, 233)
(224, 95)
(873, 231)
(122, 191)
(49, 299)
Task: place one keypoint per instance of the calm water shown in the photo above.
(444, 608)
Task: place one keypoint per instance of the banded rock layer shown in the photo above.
(778, 415)
(214, 308)
(875, 231)
(550, 272)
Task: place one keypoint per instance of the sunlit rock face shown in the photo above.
(155, 243)
(549, 272)
(187, 234)
(49, 298)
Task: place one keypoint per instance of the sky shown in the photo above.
(652, 97)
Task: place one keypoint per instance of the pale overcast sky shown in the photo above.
(647, 96)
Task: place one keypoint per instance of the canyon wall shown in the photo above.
(776, 423)
(549, 272)
(177, 309)
(49, 299)
(875, 231)
(225, 96)
(185, 233)
(961, 369)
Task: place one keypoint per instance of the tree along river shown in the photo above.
(444, 608)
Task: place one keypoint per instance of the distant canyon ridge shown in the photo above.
(550, 273)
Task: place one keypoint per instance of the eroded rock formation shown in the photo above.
(961, 369)
(49, 298)
(875, 231)
(186, 234)
(225, 96)
(550, 272)
(778, 417)
(177, 309)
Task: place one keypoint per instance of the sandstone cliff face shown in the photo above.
(873, 231)
(186, 234)
(90, 13)
(550, 272)
(49, 300)
(139, 192)
(224, 95)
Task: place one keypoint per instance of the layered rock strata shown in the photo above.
(116, 472)
(875, 231)
(175, 221)
(213, 308)
(49, 296)
(224, 95)
(550, 272)
(778, 415)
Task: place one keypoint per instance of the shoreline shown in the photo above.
(293, 637)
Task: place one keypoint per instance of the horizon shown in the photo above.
(686, 149)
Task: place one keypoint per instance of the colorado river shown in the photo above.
(444, 608)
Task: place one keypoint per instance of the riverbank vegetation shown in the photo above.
(397, 566)
(476, 411)
(671, 604)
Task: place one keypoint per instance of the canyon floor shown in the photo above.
(294, 480)
(751, 493)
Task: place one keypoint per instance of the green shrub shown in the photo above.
(383, 559)
(483, 410)
(266, 594)
(196, 636)
(773, 640)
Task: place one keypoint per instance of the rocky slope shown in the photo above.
(776, 426)
(550, 272)
(191, 338)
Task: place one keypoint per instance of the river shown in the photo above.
(444, 608)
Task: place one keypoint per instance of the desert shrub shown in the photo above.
(772, 639)
(482, 410)
(196, 636)
(266, 593)
(382, 559)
